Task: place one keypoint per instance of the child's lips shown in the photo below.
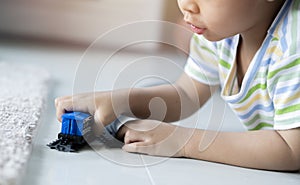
(197, 30)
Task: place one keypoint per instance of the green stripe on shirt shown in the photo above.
(286, 77)
(288, 109)
(261, 125)
(201, 75)
(225, 64)
(257, 117)
(253, 89)
(290, 65)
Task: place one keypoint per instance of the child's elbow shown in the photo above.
(294, 162)
(292, 145)
(288, 163)
(296, 167)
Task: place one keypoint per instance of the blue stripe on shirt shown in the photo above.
(287, 88)
(269, 108)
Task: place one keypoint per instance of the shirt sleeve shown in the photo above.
(113, 127)
(284, 88)
(202, 63)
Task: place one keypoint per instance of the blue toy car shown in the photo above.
(76, 129)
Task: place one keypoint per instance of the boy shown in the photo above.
(249, 48)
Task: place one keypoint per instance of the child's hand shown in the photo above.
(99, 104)
(154, 138)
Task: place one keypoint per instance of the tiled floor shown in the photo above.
(74, 70)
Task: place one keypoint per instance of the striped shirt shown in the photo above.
(269, 97)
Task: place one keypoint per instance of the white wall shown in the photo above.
(80, 21)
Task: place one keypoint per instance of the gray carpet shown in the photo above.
(23, 92)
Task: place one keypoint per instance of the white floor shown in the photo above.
(73, 70)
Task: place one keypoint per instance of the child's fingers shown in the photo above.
(99, 126)
(59, 100)
(136, 142)
(137, 147)
(132, 136)
(62, 104)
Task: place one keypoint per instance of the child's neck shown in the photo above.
(252, 39)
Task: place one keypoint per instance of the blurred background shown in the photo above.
(82, 21)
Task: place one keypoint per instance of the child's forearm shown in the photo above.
(163, 103)
(256, 149)
(169, 102)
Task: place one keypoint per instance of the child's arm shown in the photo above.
(178, 100)
(265, 149)
(164, 102)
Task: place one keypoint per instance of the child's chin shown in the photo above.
(213, 38)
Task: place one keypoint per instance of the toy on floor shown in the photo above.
(75, 131)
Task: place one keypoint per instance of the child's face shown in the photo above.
(219, 19)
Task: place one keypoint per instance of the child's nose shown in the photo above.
(188, 6)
